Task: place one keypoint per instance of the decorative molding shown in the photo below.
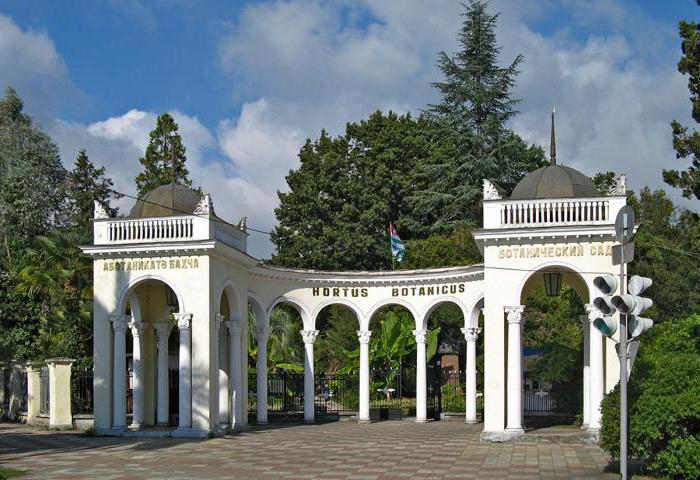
(620, 185)
(363, 336)
(205, 206)
(490, 192)
(100, 212)
(261, 333)
(419, 335)
(219, 320)
(138, 329)
(515, 313)
(119, 323)
(163, 329)
(471, 334)
(309, 336)
(184, 320)
(235, 328)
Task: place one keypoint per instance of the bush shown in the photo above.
(664, 402)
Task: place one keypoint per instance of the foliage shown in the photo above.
(85, 185)
(664, 401)
(687, 144)
(346, 191)
(285, 350)
(457, 248)
(164, 147)
(604, 181)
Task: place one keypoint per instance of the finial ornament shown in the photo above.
(100, 212)
(620, 185)
(490, 192)
(242, 224)
(553, 143)
(205, 206)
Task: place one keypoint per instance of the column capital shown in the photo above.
(592, 312)
(138, 328)
(309, 336)
(515, 313)
(419, 335)
(262, 333)
(184, 320)
(234, 328)
(470, 333)
(162, 329)
(364, 336)
(119, 323)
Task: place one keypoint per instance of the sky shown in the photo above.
(249, 82)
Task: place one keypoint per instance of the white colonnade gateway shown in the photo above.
(176, 280)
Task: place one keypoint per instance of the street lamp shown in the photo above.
(552, 283)
(170, 297)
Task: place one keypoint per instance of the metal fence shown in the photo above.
(44, 400)
(336, 395)
(538, 402)
(82, 400)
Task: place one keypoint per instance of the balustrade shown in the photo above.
(554, 212)
(157, 229)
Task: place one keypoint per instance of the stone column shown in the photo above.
(224, 368)
(586, 369)
(184, 324)
(163, 408)
(421, 380)
(470, 335)
(60, 413)
(34, 390)
(309, 337)
(138, 331)
(234, 329)
(262, 334)
(514, 381)
(364, 336)
(596, 376)
(119, 325)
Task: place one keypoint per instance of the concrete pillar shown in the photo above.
(514, 382)
(262, 334)
(60, 413)
(33, 390)
(421, 379)
(163, 408)
(596, 375)
(224, 369)
(119, 324)
(234, 329)
(138, 332)
(586, 370)
(364, 336)
(184, 324)
(309, 337)
(470, 335)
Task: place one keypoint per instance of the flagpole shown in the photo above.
(391, 251)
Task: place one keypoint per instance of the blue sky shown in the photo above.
(249, 81)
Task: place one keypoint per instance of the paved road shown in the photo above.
(344, 450)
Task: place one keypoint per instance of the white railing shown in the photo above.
(551, 212)
(141, 230)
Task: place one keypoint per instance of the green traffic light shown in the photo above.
(606, 327)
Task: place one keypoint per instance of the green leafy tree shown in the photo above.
(471, 129)
(457, 248)
(164, 147)
(687, 144)
(85, 185)
(346, 191)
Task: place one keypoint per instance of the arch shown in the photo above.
(473, 319)
(441, 301)
(393, 301)
(575, 279)
(338, 301)
(128, 289)
(257, 306)
(296, 303)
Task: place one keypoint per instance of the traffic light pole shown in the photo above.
(623, 378)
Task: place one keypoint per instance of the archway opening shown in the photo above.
(553, 348)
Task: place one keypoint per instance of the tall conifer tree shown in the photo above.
(165, 145)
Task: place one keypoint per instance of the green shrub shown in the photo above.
(664, 402)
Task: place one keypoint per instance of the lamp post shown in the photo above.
(552, 283)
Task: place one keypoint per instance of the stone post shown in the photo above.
(470, 335)
(235, 330)
(163, 408)
(33, 390)
(60, 413)
(138, 332)
(514, 382)
(184, 324)
(119, 325)
(364, 336)
(262, 334)
(421, 380)
(224, 409)
(309, 337)
(596, 375)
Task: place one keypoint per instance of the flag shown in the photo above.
(398, 250)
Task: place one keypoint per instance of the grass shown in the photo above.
(10, 473)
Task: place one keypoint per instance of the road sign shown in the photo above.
(623, 253)
(624, 224)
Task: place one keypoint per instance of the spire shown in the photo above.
(553, 144)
